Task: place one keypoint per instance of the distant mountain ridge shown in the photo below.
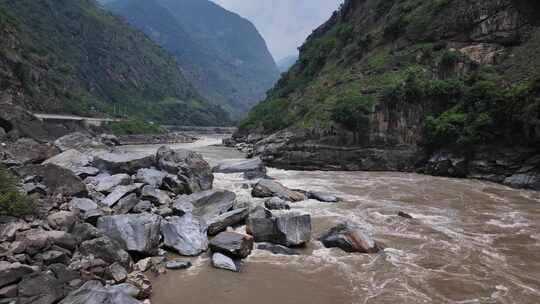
(70, 56)
(221, 53)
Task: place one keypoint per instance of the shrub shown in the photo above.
(12, 201)
(352, 111)
(131, 127)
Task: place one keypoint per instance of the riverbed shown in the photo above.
(469, 242)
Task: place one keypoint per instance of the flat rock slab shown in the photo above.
(138, 233)
(128, 163)
(227, 219)
(270, 188)
(323, 197)
(70, 159)
(108, 183)
(232, 244)
(186, 235)
(118, 193)
(58, 180)
(151, 177)
(251, 165)
(93, 292)
(207, 204)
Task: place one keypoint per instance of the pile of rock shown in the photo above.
(98, 212)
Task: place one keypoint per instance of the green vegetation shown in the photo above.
(12, 202)
(352, 110)
(71, 56)
(270, 114)
(130, 127)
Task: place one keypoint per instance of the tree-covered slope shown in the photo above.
(468, 69)
(71, 56)
(222, 54)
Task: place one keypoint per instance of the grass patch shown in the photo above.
(12, 201)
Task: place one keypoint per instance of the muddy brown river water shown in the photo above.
(469, 242)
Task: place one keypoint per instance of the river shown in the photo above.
(469, 242)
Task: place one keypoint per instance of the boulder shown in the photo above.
(58, 180)
(404, 215)
(173, 184)
(93, 292)
(252, 168)
(36, 240)
(13, 272)
(71, 159)
(92, 216)
(177, 264)
(350, 238)
(63, 273)
(116, 163)
(15, 119)
(444, 163)
(190, 167)
(141, 281)
(222, 261)
(84, 232)
(125, 288)
(108, 183)
(288, 230)
(54, 257)
(323, 197)
(78, 141)
(117, 272)
(137, 233)
(42, 288)
(29, 151)
(118, 193)
(270, 188)
(275, 203)
(227, 219)
(151, 177)
(207, 204)
(126, 204)
(9, 229)
(82, 204)
(109, 140)
(10, 291)
(155, 196)
(277, 249)
(142, 206)
(186, 235)
(260, 212)
(106, 249)
(232, 244)
(62, 220)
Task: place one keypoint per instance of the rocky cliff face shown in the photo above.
(74, 57)
(222, 54)
(442, 87)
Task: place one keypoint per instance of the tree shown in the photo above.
(352, 111)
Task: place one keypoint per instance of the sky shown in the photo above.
(284, 24)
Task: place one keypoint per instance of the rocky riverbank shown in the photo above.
(155, 139)
(105, 221)
(517, 167)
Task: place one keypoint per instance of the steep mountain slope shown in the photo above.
(72, 57)
(286, 63)
(384, 85)
(221, 53)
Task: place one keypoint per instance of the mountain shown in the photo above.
(222, 54)
(284, 64)
(70, 56)
(441, 87)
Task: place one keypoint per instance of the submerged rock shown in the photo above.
(232, 244)
(222, 261)
(350, 238)
(253, 168)
(138, 233)
(323, 197)
(177, 264)
(186, 235)
(270, 188)
(277, 249)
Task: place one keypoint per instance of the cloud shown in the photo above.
(285, 24)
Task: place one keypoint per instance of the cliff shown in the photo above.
(74, 57)
(446, 87)
(221, 53)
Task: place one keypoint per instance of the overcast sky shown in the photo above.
(285, 24)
